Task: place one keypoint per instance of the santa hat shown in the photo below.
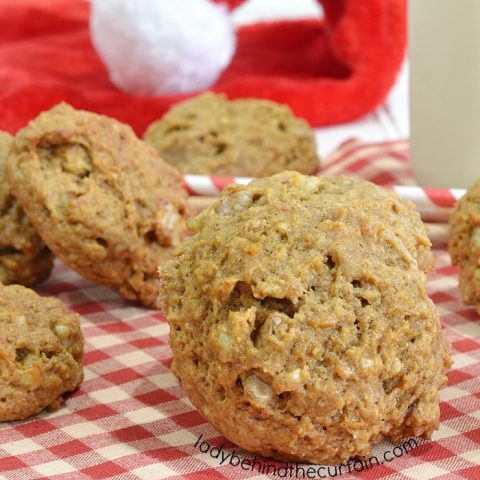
(328, 70)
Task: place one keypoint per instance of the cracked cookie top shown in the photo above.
(298, 315)
(101, 199)
(211, 135)
(41, 348)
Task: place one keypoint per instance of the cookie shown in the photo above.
(41, 348)
(301, 330)
(101, 199)
(334, 194)
(24, 258)
(211, 135)
(464, 244)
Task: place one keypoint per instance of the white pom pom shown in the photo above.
(154, 47)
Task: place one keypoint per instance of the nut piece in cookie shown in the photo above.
(102, 200)
(41, 348)
(299, 323)
(24, 258)
(464, 244)
(211, 135)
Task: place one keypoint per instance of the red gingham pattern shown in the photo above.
(131, 420)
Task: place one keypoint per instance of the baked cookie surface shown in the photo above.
(334, 195)
(41, 348)
(210, 135)
(24, 258)
(464, 244)
(101, 199)
(303, 331)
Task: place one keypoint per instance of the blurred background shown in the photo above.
(390, 121)
(345, 75)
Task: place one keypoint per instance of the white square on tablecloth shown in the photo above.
(20, 447)
(424, 472)
(57, 467)
(156, 472)
(145, 415)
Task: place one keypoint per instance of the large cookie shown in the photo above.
(101, 199)
(24, 258)
(300, 326)
(213, 136)
(41, 347)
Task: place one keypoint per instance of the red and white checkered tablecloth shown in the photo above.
(131, 420)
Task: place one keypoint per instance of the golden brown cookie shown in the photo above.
(334, 194)
(101, 199)
(213, 136)
(41, 348)
(24, 258)
(301, 330)
(464, 244)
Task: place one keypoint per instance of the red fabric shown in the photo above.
(328, 71)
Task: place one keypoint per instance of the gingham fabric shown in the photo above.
(131, 420)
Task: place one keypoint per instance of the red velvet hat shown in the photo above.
(328, 70)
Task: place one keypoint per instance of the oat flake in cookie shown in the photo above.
(211, 135)
(464, 244)
(300, 326)
(41, 348)
(101, 199)
(24, 258)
